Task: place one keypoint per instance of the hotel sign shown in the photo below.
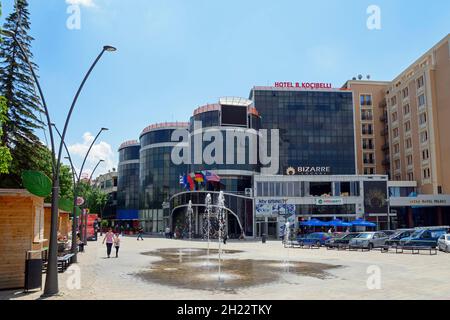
(308, 171)
(304, 85)
(421, 201)
(330, 202)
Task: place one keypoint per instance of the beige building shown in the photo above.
(419, 114)
(370, 126)
(402, 126)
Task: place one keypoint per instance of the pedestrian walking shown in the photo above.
(140, 231)
(109, 239)
(225, 238)
(117, 244)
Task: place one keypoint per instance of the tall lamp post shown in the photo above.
(85, 216)
(51, 280)
(76, 186)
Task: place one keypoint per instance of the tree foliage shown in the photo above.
(95, 199)
(23, 105)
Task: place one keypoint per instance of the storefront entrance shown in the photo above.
(267, 226)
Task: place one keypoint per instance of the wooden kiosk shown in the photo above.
(21, 231)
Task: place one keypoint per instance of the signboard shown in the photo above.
(308, 171)
(91, 218)
(304, 85)
(273, 207)
(375, 197)
(329, 202)
(421, 201)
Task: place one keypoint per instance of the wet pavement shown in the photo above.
(193, 269)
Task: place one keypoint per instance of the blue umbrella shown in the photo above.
(363, 223)
(339, 223)
(314, 223)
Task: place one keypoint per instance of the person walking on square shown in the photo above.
(117, 244)
(109, 238)
(140, 231)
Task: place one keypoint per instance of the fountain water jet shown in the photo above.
(287, 239)
(208, 203)
(221, 218)
(190, 211)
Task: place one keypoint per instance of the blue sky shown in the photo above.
(176, 55)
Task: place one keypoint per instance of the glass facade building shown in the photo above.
(316, 127)
(128, 181)
(158, 176)
(230, 117)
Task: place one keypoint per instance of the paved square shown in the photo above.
(353, 274)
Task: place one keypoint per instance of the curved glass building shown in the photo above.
(159, 176)
(128, 181)
(236, 123)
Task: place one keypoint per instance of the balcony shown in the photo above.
(384, 132)
(383, 118)
(385, 147)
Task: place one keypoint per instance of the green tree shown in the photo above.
(23, 105)
(5, 154)
(95, 199)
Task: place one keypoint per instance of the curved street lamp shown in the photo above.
(51, 280)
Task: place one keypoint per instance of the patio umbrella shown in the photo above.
(363, 223)
(339, 223)
(314, 223)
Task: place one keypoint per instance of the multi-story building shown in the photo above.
(316, 127)
(128, 181)
(158, 176)
(337, 150)
(371, 134)
(107, 183)
(419, 112)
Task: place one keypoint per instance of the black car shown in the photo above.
(398, 236)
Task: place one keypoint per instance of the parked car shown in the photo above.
(344, 239)
(444, 243)
(424, 237)
(399, 235)
(318, 239)
(369, 240)
(389, 233)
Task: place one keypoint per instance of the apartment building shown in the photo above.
(371, 132)
(418, 114)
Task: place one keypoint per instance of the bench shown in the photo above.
(357, 248)
(64, 262)
(416, 249)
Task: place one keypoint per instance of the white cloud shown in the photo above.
(85, 3)
(100, 151)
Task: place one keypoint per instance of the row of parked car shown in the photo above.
(430, 237)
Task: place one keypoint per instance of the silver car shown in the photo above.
(369, 240)
(444, 243)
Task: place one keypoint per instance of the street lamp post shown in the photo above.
(76, 185)
(51, 280)
(84, 225)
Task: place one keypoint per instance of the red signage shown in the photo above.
(304, 85)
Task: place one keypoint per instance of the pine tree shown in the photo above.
(23, 105)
